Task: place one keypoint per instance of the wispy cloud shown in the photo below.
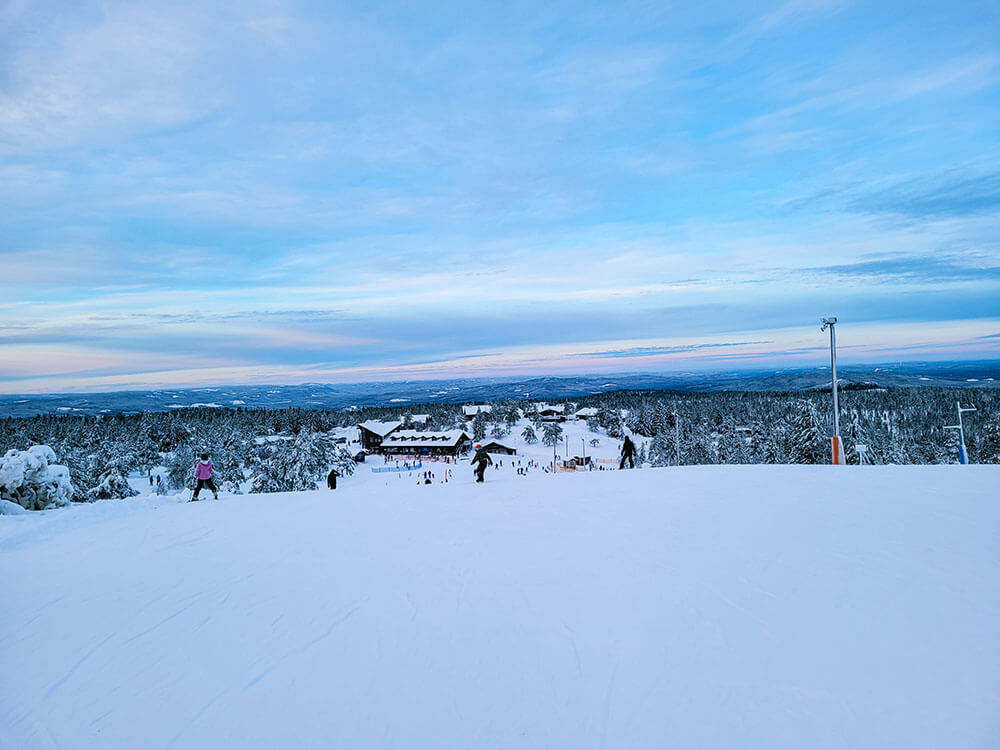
(647, 351)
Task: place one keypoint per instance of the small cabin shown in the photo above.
(495, 446)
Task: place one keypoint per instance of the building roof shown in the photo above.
(474, 409)
(557, 408)
(421, 418)
(448, 439)
(587, 411)
(498, 444)
(379, 428)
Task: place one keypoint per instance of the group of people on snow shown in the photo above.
(204, 471)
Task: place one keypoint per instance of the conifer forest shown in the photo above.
(290, 449)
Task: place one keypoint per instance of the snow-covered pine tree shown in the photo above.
(552, 433)
(180, 468)
(299, 464)
(478, 426)
(529, 436)
(343, 461)
(988, 448)
(661, 451)
(809, 444)
(113, 486)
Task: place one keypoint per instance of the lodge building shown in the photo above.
(450, 443)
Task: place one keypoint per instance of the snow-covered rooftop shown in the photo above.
(558, 408)
(474, 409)
(380, 428)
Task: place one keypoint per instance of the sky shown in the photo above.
(196, 193)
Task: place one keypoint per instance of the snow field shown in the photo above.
(719, 607)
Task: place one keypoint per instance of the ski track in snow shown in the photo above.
(718, 607)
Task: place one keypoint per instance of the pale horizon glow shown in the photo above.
(279, 192)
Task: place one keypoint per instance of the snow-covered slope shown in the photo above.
(714, 607)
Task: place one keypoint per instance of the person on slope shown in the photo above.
(628, 453)
(331, 479)
(481, 460)
(203, 471)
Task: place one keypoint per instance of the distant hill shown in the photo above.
(342, 396)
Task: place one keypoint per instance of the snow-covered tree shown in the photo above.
(529, 436)
(33, 479)
(479, 426)
(989, 447)
(113, 486)
(343, 461)
(299, 464)
(552, 433)
(661, 451)
(180, 468)
(809, 445)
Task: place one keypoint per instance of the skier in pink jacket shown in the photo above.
(203, 471)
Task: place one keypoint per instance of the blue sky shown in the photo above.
(248, 192)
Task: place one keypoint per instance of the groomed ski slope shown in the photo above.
(702, 607)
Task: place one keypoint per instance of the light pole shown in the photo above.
(963, 454)
(838, 449)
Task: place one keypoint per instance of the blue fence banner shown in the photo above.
(383, 469)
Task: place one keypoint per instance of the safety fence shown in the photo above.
(383, 469)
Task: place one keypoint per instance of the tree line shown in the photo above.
(289, 449)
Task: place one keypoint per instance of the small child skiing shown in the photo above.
(203, 471)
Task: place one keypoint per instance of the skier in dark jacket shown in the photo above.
(481, 460)
(628, 453)
(331, 479)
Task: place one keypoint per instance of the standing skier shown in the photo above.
(481, 460)
(203, 471)
(331, 479)
(628, 453)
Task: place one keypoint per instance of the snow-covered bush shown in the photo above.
(33, 480)
(113, 486)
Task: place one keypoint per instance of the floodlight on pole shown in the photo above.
(838, 448)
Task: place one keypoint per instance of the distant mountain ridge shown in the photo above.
(342, 396)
